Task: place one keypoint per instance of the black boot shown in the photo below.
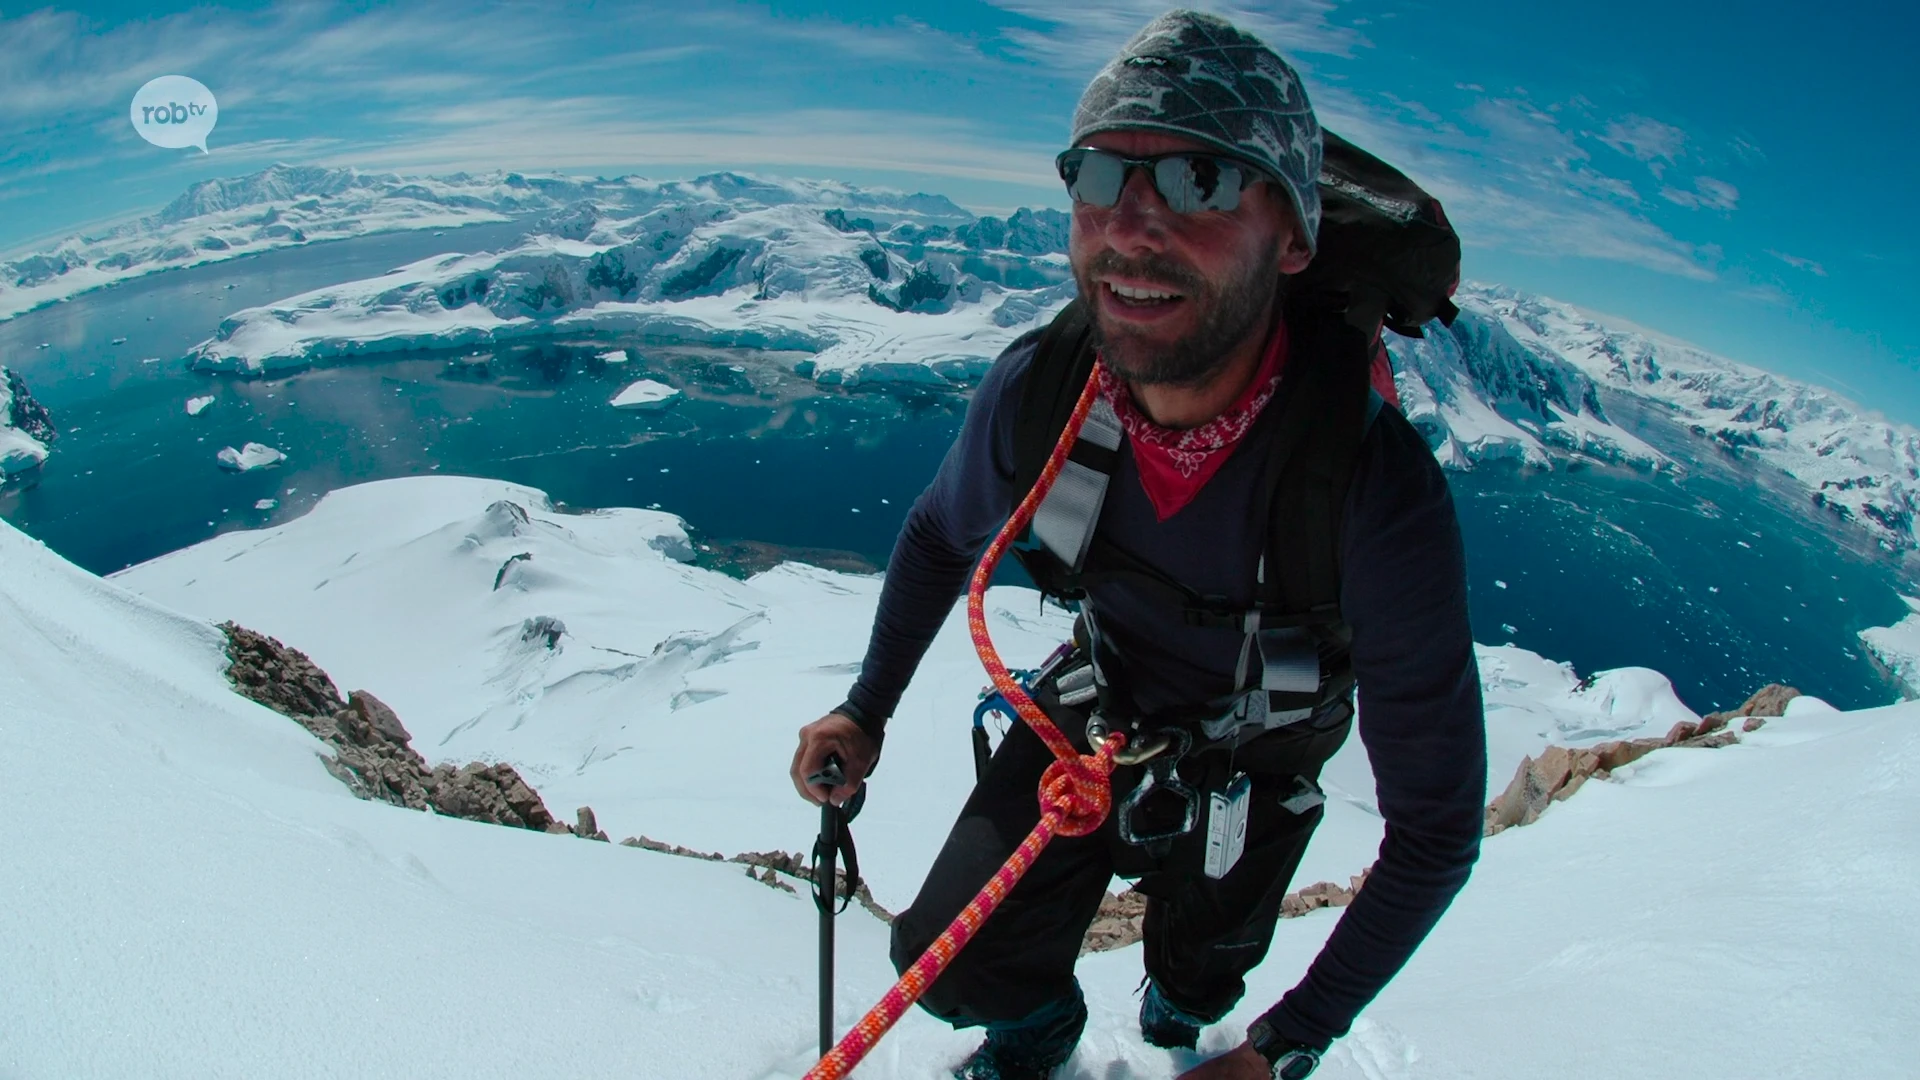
(1030, 1048)
(1165, 1026)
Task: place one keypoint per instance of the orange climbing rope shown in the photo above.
(1074, 791)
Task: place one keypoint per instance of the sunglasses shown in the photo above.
(1189, 183)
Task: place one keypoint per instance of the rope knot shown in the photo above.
(1075, 793)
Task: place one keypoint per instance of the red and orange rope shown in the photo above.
(1075, 795)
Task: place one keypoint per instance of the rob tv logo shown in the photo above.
(174, 111)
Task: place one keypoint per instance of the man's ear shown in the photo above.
(1295, 256)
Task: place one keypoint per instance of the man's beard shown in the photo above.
(1227, 316)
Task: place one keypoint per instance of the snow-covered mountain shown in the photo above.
(221, 878)
(878, 286)
(1859, 468)
(25, 428)
(881, 287)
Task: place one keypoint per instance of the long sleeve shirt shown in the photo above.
(1403, 593)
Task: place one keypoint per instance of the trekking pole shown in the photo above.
(834, 838)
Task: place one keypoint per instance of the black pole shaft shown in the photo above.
(826, 885)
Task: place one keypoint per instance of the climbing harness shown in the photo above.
(1075, 794)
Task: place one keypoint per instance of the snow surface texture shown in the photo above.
(230, 910)
(20, 450)
(251, 456)
(1898, 647)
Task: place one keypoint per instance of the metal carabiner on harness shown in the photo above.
(1160, 781)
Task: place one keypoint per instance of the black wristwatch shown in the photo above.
(1289, 1060)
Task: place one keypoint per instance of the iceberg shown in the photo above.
(198, 405)
(646, 395)
(251, 456)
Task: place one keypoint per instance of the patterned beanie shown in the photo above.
(1200, 76)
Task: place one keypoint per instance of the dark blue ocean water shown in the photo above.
(1720, 589)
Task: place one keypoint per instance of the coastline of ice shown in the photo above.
(1898, 647)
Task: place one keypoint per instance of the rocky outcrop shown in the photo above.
(371, 750)
(23, 412)
(772, 864)
(1121, 918)
(1771, 700)
(1559, 771)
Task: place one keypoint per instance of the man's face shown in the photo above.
(1222, 267)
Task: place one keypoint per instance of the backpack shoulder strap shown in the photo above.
(1061, 366)
(1326, 418)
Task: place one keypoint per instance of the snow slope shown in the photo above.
(665, 666)
(227, 909)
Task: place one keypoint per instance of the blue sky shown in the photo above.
(1738, 177)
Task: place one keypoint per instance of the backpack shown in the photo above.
(1386, 257)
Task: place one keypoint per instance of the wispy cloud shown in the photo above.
(1707, 194)
(1799, 263)
(1086, 35)
(1646, 139)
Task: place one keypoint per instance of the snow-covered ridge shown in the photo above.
(25, 427)
(1861, 469)
(214, 832)
(1480, 395)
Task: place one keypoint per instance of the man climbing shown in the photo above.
(1263, 534)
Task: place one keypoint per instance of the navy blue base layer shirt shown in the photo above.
(1403, 592)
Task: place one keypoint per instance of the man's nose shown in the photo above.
(1139, 217)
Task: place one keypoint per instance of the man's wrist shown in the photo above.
(870, 724)
(1289, 1059)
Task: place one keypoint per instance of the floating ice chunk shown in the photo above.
(645, 395)
(149, 359)
(198, 405)
(617, 356)
(265, 504)
(118, 341)
(251, 456)
(1498, 584)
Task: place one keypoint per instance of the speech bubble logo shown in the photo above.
(174, 111)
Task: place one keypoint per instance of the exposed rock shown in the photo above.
(1321, 894)
(648, 843)
(1770, 700)
(1559, 771)
(585, 826)
(1117, 924)
(372, 751)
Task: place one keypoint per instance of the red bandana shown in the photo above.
(1176, 463)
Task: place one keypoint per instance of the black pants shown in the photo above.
(1202, 935)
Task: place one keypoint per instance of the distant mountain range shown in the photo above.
(884, 288)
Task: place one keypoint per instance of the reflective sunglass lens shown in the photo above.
(1096, 177)
(1191, 183)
